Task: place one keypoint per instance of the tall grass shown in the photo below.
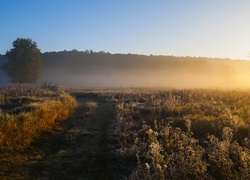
(27, 111)
(184, 134)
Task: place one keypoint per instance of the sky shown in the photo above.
(200, 28)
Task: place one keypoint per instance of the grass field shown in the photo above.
(185, 134)
(26, 111)
(126, 133)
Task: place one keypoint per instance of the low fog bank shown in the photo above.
(85, 69)
(212, 75)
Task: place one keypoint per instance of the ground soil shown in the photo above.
(82, 147)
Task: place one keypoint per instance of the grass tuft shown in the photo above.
(27, 111)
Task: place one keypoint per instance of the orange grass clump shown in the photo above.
(18, 130)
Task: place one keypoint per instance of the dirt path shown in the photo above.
(80, 148)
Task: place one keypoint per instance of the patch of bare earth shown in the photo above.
(80, 148)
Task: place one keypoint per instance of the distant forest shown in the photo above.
(88, 68)
(3, 78)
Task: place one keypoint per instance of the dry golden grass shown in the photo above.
(17, 130)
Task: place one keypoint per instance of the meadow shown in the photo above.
(127, 133)
(184, 134)
(27, 111)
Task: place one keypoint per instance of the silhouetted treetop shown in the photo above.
(24, 61)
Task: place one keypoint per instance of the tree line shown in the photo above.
(25, 63)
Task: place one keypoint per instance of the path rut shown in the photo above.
(80, 148)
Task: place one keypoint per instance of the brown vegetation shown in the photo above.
(184, 134)
(27, 111)
(152, 134)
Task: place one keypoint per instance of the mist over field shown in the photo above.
(85, 69)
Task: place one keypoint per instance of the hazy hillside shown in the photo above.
(105, 69)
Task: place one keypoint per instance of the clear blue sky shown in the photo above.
(207, 28)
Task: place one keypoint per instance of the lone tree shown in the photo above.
(25, 62)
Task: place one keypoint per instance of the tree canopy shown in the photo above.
(24, 61)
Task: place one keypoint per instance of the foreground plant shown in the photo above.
(27, 112)
(185, 134)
